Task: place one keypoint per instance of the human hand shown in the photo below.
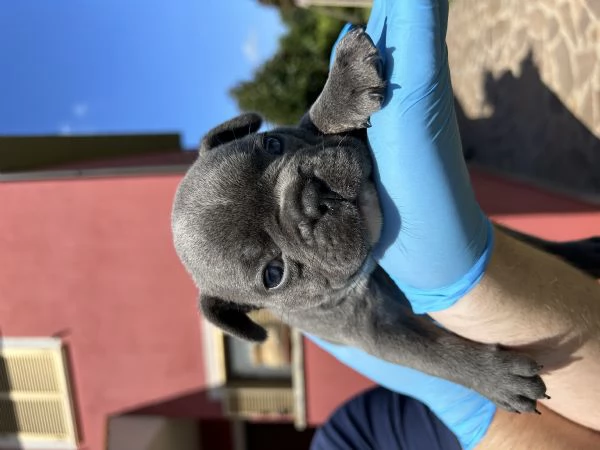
(436, 242)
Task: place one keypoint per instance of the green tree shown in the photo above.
(284, 87)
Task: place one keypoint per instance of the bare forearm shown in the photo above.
(534, 301)
(548, 431)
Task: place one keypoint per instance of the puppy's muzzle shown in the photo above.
(317, 199)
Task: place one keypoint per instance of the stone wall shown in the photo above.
(526, 75)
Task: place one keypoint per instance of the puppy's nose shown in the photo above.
(317, 199)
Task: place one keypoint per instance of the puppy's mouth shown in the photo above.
(318, 201)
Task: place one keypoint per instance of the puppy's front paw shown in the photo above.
(355, 87)
(510, 379)
(359, 68)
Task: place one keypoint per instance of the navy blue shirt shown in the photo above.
(380, 419)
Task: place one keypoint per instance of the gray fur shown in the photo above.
(240, 207)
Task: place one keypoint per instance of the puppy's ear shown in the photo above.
(231, 318)
(236, 128)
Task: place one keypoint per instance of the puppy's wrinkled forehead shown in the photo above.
(216, 210)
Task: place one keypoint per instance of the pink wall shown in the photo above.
(92, 260)
(536, 211)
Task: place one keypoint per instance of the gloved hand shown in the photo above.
(466, 413)
(436, 242)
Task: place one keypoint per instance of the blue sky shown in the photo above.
(109, 66)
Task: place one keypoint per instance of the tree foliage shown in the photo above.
(286, 85)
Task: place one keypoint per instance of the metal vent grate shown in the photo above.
(35, 402)
(250, 402)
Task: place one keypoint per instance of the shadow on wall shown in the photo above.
(196, 404)
(532, 133)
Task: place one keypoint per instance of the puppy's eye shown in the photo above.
(273, 146)
(273, 274)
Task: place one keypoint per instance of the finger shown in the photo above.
(375, 26)
(415, 46)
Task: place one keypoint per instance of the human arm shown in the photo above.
(548, 431)
(536, 302)
(484, 286)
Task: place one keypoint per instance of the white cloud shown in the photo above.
(75, 119)
(65, 129)
(80, 109)
(250, 47)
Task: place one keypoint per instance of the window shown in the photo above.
(35, 402)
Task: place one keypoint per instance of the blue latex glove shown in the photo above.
(436, 242)
(466, 413)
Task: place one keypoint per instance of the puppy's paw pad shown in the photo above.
(512, 381)
(358, 71)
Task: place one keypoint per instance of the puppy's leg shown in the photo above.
(508, 378)
(380, 323)
(354, 89)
